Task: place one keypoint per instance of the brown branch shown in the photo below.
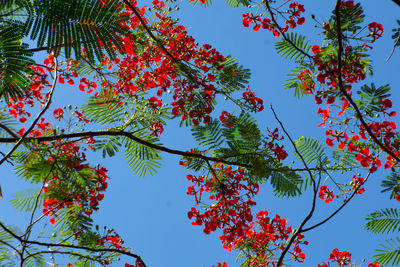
(128, 135)
(397, 2)
(394, 47)
(20, 239)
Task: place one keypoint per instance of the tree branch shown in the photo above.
(339, 209)
(311, 212)
(344, 92)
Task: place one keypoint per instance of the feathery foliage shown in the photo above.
(389, 253)
(287, 50)
(384, 221)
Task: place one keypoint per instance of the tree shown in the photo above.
(128, 58)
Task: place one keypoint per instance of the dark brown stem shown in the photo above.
(128, 135)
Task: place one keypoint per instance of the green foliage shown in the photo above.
(27, 200)
(310, 149)
(396, 34)
(287, 50)
(350, 18)
(391, 183)
(35, 261)
(344, 158)
(14, 60)
(240, 140)
(210, 135)
(286, 182)
(75, 24)
(231, 3)
(8, 121)
(370, 98)
(293, 82)
(233, 77)
(384, 221)
(108, 145)
(389, 253)
(142, 159)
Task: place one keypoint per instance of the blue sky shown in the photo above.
(150, 213)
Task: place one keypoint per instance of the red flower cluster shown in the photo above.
(376, 30)
(113, 239)
(255, 103)
(59, 193)
(294, 19)
(278, 150)
(342, 258)
(263, 237)
(232, 192)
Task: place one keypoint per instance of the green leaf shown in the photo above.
(142, 159)
(389, 253)
(287, 50)
(370, 102)
(286, 182)
(391, 183)
(25, 201)
(210, 135)
(384, 221)
(310, 149)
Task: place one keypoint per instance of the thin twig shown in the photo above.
(394, 47)
(311, 212)
(339, 209)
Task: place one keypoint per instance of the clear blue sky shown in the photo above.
(150, 213)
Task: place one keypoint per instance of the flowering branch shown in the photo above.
(47, 105)
(340, 208)
(344, 92)
(283, 34)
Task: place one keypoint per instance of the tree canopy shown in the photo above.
(140, 73)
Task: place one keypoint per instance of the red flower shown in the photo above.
(343, 258)
(325, 193)
(58, 113)
(376, 30)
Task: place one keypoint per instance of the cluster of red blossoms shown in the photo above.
(292, 21)
(152, 67)
(61, 193)
(231, 193)
(278, 150)
(113, 239)
(342, 258)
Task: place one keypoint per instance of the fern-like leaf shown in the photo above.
(389, 253)
(287, 50)
(286, 183)
(142, 159)
(210, 135)
(384, 221)
(310, 149)
(24, 201)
